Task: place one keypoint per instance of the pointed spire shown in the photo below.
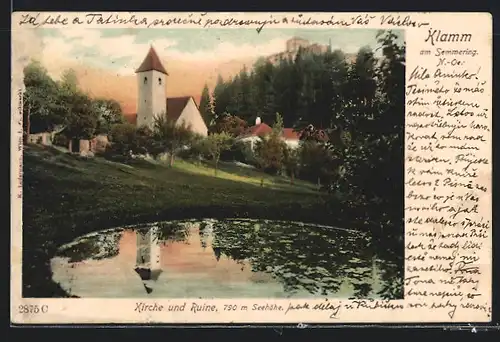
(152, 62)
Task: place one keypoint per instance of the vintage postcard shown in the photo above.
(251, 167)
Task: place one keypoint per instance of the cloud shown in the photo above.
(123, 53)
(88, 46)
(228, 51)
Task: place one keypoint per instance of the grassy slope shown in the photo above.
(230, 171)
(65, 196)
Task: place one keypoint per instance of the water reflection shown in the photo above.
(230, 258)
(147, 263)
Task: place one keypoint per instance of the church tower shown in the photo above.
(151, 86)
(148, 263)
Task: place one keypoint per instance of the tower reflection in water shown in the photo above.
(147, 263)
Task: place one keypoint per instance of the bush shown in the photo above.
(196, 150)
(269, 154)
(248, 154)
(318, 163)
(123, 140)
(239, 151)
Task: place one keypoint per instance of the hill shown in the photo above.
(65, 196)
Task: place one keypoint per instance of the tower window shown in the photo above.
(159, 80)
(145, 80)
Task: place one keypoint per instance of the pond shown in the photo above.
(223, 259)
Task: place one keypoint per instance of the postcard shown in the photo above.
(251, 168)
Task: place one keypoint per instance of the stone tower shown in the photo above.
(151, 87)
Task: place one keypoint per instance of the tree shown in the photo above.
(310, 133)
(40, 100)
(232, 125)
(170, 137)
(206, 108)
(278, 125)
(123, 138)
(109, 113)
(127, 139)
(79, 112)
(265, 94)
(215, 144)
(69, 80)
(291, 160)
(236, 97)
(145, 142)
(317, 162)
(198, 149)
(366, 84)
(269, 149)
(374, 120)
(246, 108)
(221, 97)
(82, 116)
(372, 156)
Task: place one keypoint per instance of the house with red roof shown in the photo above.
(152, 102)
(254, 133)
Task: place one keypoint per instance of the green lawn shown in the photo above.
(65, 196)
(233, 172)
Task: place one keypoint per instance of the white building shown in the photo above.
(152, 100)
(260, 129)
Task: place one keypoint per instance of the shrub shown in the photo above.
(196, 150)
(248, 154)
(123, 140)
(239, 151)
(318, 162)
(269, 153)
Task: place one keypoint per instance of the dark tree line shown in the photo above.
(371, 117)
(353, 112)
(303, 89)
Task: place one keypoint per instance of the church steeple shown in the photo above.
(152, 62)
(151, 87)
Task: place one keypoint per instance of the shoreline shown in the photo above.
(40, 258)
(66, 198)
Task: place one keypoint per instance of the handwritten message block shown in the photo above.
(448, 135)
(447, 176)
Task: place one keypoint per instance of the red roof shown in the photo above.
(152, 62)
(257, 130)
(263, 129)
(290, 134)
(175, 106)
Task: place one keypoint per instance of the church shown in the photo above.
(152, 101)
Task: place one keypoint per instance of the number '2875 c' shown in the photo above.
(33, 309)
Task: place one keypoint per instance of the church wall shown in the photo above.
(191, 115)
(151, 98)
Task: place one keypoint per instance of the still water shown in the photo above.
(221, 259)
